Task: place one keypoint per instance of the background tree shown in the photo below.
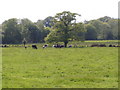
(24, 28)
(1, 33)
(43, 31)
(105, 19)
(119, 29)
(34, 33)
(30, 31)
(62, 27)
(105, 30)
(91, 33)
(98, 25)
(11, 30)
(77, 32)
(110, 26)
(114, 28)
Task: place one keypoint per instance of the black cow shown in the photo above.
(110, 45)
(114, 45)
(25, 47)
(102, 45)
(34, 47)
(95, 45)
(70, 46)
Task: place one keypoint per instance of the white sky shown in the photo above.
(40, 9)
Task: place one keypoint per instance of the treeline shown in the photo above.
(104, 28)
(14, 31)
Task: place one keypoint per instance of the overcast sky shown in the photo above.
(40, 9)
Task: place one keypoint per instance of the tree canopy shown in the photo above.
(63, 27)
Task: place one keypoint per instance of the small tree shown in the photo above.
(64, 28)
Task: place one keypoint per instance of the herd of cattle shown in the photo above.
(54, 46)
(69, 46)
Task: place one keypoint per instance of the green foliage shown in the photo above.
(0, 68)
(97, 24)
(61, 28)
(60, 68)
(105, 19)
(106, 28)
(11, 29)
(24, 28)
(44, 31)
(118, 29)
(48, 22)
(15, 30)
(0, 28)
(64, 28)
(78, 32)
(91, 33)
(114, 28)
(30, 31)
(1, 34)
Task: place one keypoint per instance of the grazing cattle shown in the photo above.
(110, 45)
(4, 46)
(58, 46)
(102, 45)
(46, 45)
(53, 46)
(114, 46)
(61, 46)
(34, 47)
(94, 45)
(25, 47)
(70, 46)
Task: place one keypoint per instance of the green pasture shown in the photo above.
(0, 68)
(90, 67)
(102, 41)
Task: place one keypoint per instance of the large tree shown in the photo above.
(30, 31)
(63, 24)
(11, 31)
(25, 23)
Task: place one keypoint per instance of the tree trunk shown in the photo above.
(65, 43)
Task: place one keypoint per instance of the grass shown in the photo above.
(91, 67)
(102, 41)
(0, 68)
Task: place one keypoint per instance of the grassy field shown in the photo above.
(91, 67)
(0, 68)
